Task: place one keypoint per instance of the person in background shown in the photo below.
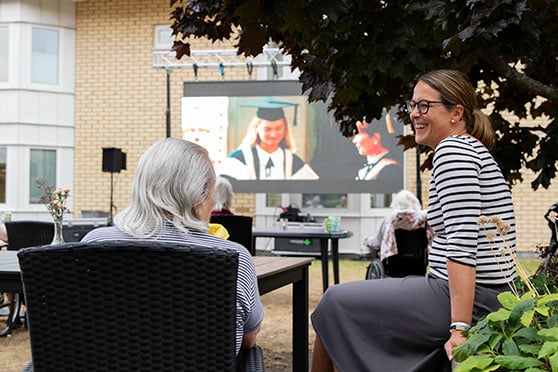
(316, 202)
(267, 151)
(223, 197)
(413, 323)
(172, 199)
(342, 202)
(3, 233)
(406, 214)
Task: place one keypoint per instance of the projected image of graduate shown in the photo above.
(377, 141)
(267, 151)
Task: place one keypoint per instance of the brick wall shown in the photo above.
(121, 98)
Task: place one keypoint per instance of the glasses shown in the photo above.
(424, 105)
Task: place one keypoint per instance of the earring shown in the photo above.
(452, 121)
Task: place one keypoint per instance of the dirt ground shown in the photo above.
(275, 336)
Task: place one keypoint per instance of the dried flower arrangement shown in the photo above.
(54, 199)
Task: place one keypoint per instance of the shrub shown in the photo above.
(523, 334)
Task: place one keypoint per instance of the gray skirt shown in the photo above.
(392, 324)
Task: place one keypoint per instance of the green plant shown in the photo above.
(523, 334)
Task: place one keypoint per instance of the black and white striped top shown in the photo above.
(249, 309)
(466, 184)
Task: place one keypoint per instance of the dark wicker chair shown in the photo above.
(411, 259)
(21, 234)
(239, 228)
(131, 306)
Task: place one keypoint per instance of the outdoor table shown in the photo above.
(309, 233)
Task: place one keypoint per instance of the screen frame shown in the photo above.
(279, 88)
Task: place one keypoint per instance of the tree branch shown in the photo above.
(521, 80)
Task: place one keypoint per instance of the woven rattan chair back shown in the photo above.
(239, 228)
(23, 234)
(130, 306)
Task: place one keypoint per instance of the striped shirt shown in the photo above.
(249, 309)
(466, 184)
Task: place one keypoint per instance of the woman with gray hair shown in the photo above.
(407, 214)
(172, 199)
(223, 197)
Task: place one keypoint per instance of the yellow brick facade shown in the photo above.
(121, 102)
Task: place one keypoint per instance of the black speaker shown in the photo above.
(113, 160)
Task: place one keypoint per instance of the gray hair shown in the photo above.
(172, 178)
(223, 194)
(405, 200)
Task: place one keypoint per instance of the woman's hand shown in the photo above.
(455, 339)
(249, 339)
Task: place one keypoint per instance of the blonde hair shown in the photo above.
(455, 87)
(251, 138)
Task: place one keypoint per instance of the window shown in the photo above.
(42, 167)
(163, 39)
(4, 52)
(44, 56)
(380, 200)
(2, 175)
(324, 200)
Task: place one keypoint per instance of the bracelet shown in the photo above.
(459, 326)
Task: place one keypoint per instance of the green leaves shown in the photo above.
(520, 336)
(366, 55)
(516, 362)
(477, 363)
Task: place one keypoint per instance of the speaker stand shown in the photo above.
(109, 222)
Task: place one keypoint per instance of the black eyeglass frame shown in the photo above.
(424, 103)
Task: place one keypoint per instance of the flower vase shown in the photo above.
(58, 237)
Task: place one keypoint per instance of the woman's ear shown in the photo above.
(457, 113)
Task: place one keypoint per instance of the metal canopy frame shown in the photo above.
(215, 58)
(165, 59)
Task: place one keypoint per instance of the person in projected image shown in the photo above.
(372, 141)
(267, 151)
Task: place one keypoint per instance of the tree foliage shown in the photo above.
(366, 55)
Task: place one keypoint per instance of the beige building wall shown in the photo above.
(121, 99)
(121, 102)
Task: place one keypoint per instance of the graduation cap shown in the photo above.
(271, 109)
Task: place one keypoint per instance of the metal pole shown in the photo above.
(109, 222)
(417, 168)
(168, 104)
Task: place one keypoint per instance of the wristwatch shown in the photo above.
(459, 326)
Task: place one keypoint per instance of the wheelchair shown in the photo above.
(411, 259)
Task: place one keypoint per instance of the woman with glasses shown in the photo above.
(413, 323)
